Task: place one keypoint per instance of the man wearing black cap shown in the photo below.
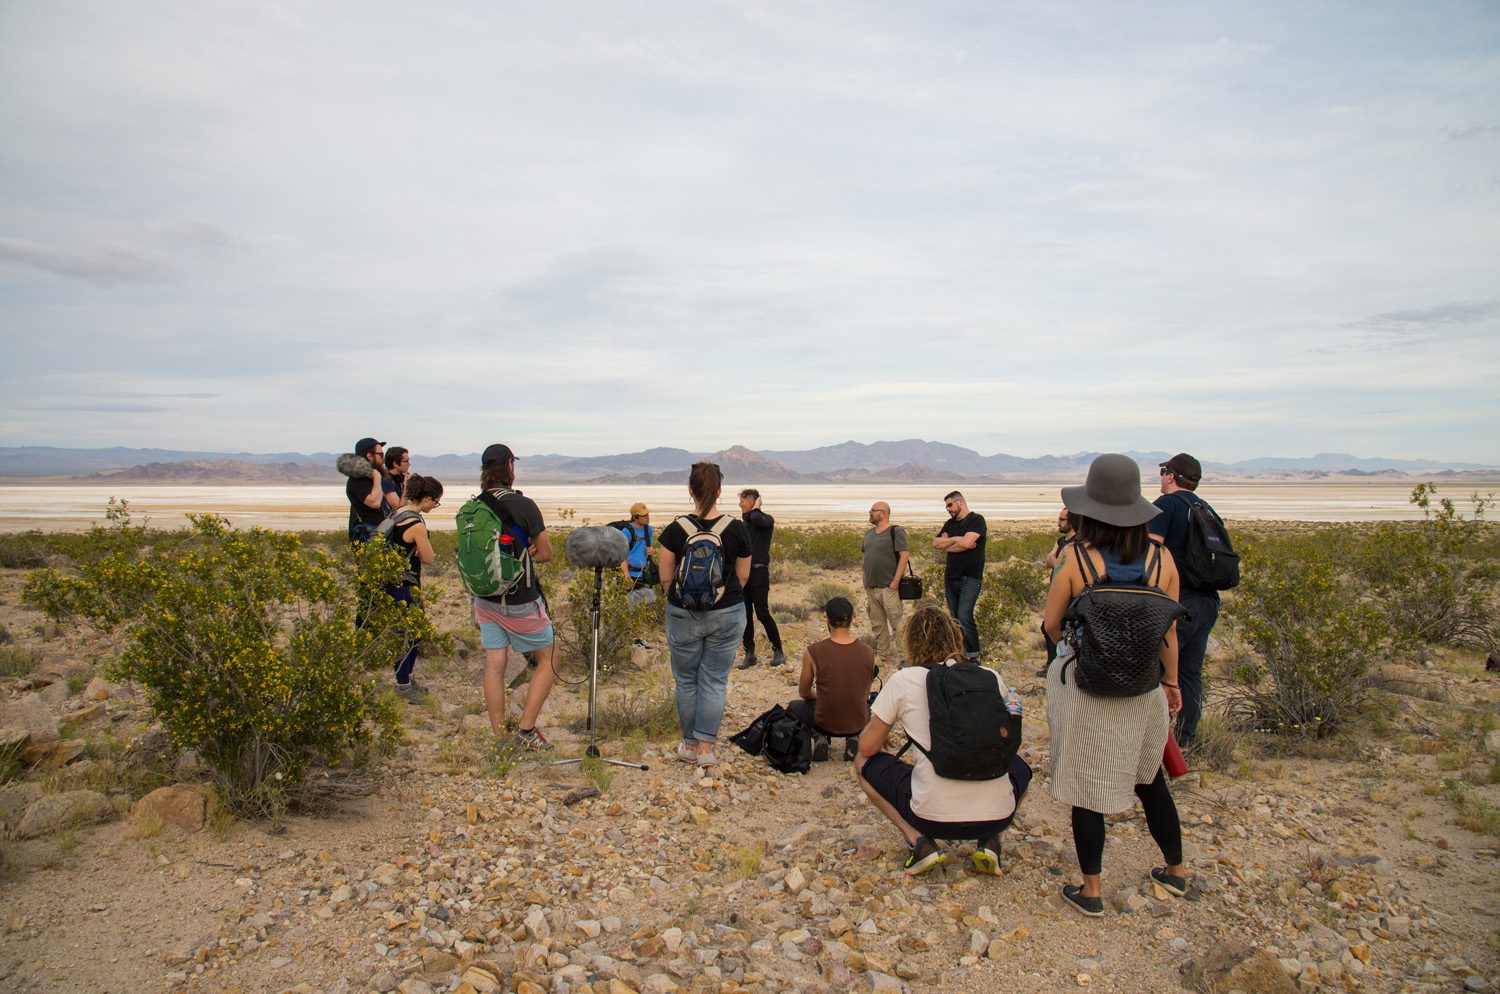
(517, 621)
(1179, 480)
(365, 492)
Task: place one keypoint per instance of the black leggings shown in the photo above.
(1161, 819)
(757, 590)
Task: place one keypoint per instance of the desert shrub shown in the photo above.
(827, 548)
(17, 662)
(652, 714)
(1023, 582)
(620, 624)
(1032, 546)
(821, 592)
(1316, 639)
(249, 649)
(1433, 580)
(24, 550)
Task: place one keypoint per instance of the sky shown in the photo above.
(596, 227)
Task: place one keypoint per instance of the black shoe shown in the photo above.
(923, 856)
(820, 749)
(851, 748)
(1091, 906)
(778, 657)
(747, 662)
(1171, 883)
(987, 856)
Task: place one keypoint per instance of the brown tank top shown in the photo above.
(842, 675)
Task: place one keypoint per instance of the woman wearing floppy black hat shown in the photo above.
(1107, 751)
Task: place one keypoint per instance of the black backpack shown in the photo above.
(789, 744)
(1117, 630)
(974, 736)
(1208, 560)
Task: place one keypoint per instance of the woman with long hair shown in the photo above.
(924, 805)
(702, 640)
(1107, 751)
(409, 535)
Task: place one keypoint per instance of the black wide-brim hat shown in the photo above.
(1111, 493)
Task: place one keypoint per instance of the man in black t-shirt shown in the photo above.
(962, 537)
(366, 509)
(758, 587)
(1181, 475)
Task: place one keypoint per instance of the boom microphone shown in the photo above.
(599, 546)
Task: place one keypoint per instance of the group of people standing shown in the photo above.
(1106, 752)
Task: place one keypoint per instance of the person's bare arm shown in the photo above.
(418, 533)
(741, 569)
(1058, 596)
(666, 563)
(871, 741)
(805, 681)
(902, 558)
(372, 499)
(1171, 584)
(541, 548)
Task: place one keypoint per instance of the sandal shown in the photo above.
(1091, 906)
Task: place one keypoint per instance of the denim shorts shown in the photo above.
(493, 636)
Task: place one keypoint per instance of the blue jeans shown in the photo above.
(702, 647)
(962, 593)
(1192, 644)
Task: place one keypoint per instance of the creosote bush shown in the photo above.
(1316, 638)
(620, 622)
(249, 647)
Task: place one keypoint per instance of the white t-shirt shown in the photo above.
(904, 699)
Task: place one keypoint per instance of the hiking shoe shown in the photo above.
(778, 657)
(1171, 883)
(923, 856)
(532, 738)
(704, 759)
(851, 748)
(747, 662)
(987, 856)
(411, 693)
(820, 748)
(1091, 906)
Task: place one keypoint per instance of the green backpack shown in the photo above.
(491, 563)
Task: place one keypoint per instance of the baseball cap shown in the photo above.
(1184, 467)
(496, 454)
(639, 509)
(365, 446)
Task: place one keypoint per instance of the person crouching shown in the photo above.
(924, 806)
(834, 689)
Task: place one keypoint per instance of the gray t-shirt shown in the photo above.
(881, 552)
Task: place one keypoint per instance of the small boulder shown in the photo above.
(1232, 965)
(186, 805)
(14, 797)
(99, 689)
(52, 755)
(52, 812)
(31, 713)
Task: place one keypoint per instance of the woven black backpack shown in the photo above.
(1117, 630)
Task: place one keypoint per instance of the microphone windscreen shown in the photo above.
(598, 545)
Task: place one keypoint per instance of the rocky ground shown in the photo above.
(1348, 872)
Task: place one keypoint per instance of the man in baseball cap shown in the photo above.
(1180, 476)
(640, 536)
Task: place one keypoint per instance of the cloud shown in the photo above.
(99, 265)
(1401, 329)
(1470, 132)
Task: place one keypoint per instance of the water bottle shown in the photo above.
(1013, 702)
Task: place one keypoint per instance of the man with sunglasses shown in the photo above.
(962, 537)
(1181, 474)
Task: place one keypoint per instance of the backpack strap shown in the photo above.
(1153, 563)
(1085, 563)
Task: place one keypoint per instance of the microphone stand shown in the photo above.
(593, 748)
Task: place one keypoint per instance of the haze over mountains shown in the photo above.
(906, 461)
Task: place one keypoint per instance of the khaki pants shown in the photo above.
(885, 609)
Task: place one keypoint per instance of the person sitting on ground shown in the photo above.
(833, 693)
(409, 535)
(922, 805)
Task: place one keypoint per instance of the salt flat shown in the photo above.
(301, 508)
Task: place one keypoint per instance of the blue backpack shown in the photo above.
(700, 570)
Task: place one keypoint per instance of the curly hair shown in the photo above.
(932, 637)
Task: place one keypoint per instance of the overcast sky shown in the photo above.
(1236, 229)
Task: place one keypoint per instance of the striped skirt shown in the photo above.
(1101, 746)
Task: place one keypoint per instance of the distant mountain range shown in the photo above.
(907, 461)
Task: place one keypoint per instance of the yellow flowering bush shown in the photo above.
(261, 655)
